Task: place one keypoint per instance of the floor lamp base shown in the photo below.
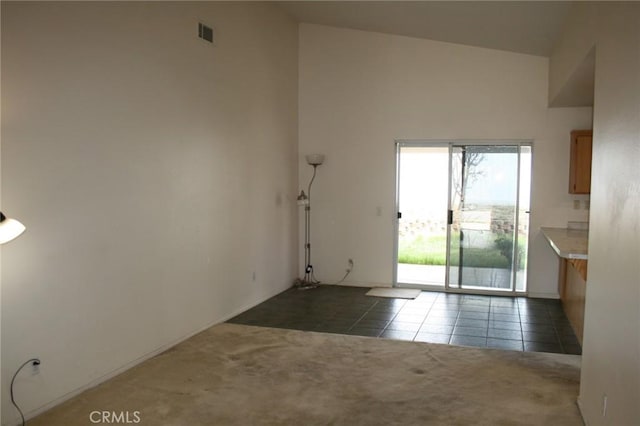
(302, 284)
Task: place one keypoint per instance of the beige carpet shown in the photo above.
(241, 375)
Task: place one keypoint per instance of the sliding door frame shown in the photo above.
(450, 143)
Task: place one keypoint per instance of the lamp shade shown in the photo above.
(9, 229)
(315, 159)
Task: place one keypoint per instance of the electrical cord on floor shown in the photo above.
(33, 361)
(337, 282)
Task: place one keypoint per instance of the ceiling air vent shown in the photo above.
(205, 32)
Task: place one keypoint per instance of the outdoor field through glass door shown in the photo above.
(463, 215)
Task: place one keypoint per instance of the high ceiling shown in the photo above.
(530, 27)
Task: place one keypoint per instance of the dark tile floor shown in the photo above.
(519, 323)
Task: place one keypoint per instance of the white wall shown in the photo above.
(360, 90)
(611, 350)
(155, 174)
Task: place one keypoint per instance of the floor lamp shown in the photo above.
(309, 280)
(9, 228)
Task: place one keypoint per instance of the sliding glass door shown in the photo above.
(463, 214)
(423, 185)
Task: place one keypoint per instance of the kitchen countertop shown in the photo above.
(568, 243)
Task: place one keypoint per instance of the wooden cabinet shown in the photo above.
(573, 290)
(580, 164)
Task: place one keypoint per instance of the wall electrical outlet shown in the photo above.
(350, 265)
(35, 367)
(604, 405)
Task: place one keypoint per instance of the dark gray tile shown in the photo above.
(384, 316)
(398, 335)
(542, 347)
(414, 311)
(505, 325)
(505, 317)
(565, 330)
(498, 333)
(363, 331)
(371, 323)
(439, 321)
(572, 349)
(474, 315)
(450, 296)
(403, 326)
(530, 302)
(436, 329)
(466, 322)
(504, 301)
(432, 338)
(335, 309)
(335, 323)
(427, 295)
(474, 308)
(331, 329)
(513, 345)
(532, 336)
(353, 316)
(470, 331)
(409, 317)
(504, 311)
(567, 339)
(468, 340)
(391, 302)
(440, 313)
(477, 300)
(447, 303)
(385, 308)
(535, 311)
(300, 325)
(273, 322)
(560, 322)
(538, 328)
(555, 311)
(419, 304)
(535, 319)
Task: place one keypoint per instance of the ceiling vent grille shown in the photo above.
(205, 32)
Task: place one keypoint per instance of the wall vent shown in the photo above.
(205, 32)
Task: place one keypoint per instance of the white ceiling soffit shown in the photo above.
(578, 91)
(530, 27)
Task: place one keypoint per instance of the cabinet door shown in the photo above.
(580, 166)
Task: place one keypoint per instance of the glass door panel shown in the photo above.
(423, 176)
(524, 207)
(484, 195)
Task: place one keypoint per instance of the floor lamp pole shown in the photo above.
(309, 280)
(308, 269)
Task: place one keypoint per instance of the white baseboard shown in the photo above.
(544, 295)
(579, 404)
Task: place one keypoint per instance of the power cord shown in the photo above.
(34, 362)
(316, 281)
